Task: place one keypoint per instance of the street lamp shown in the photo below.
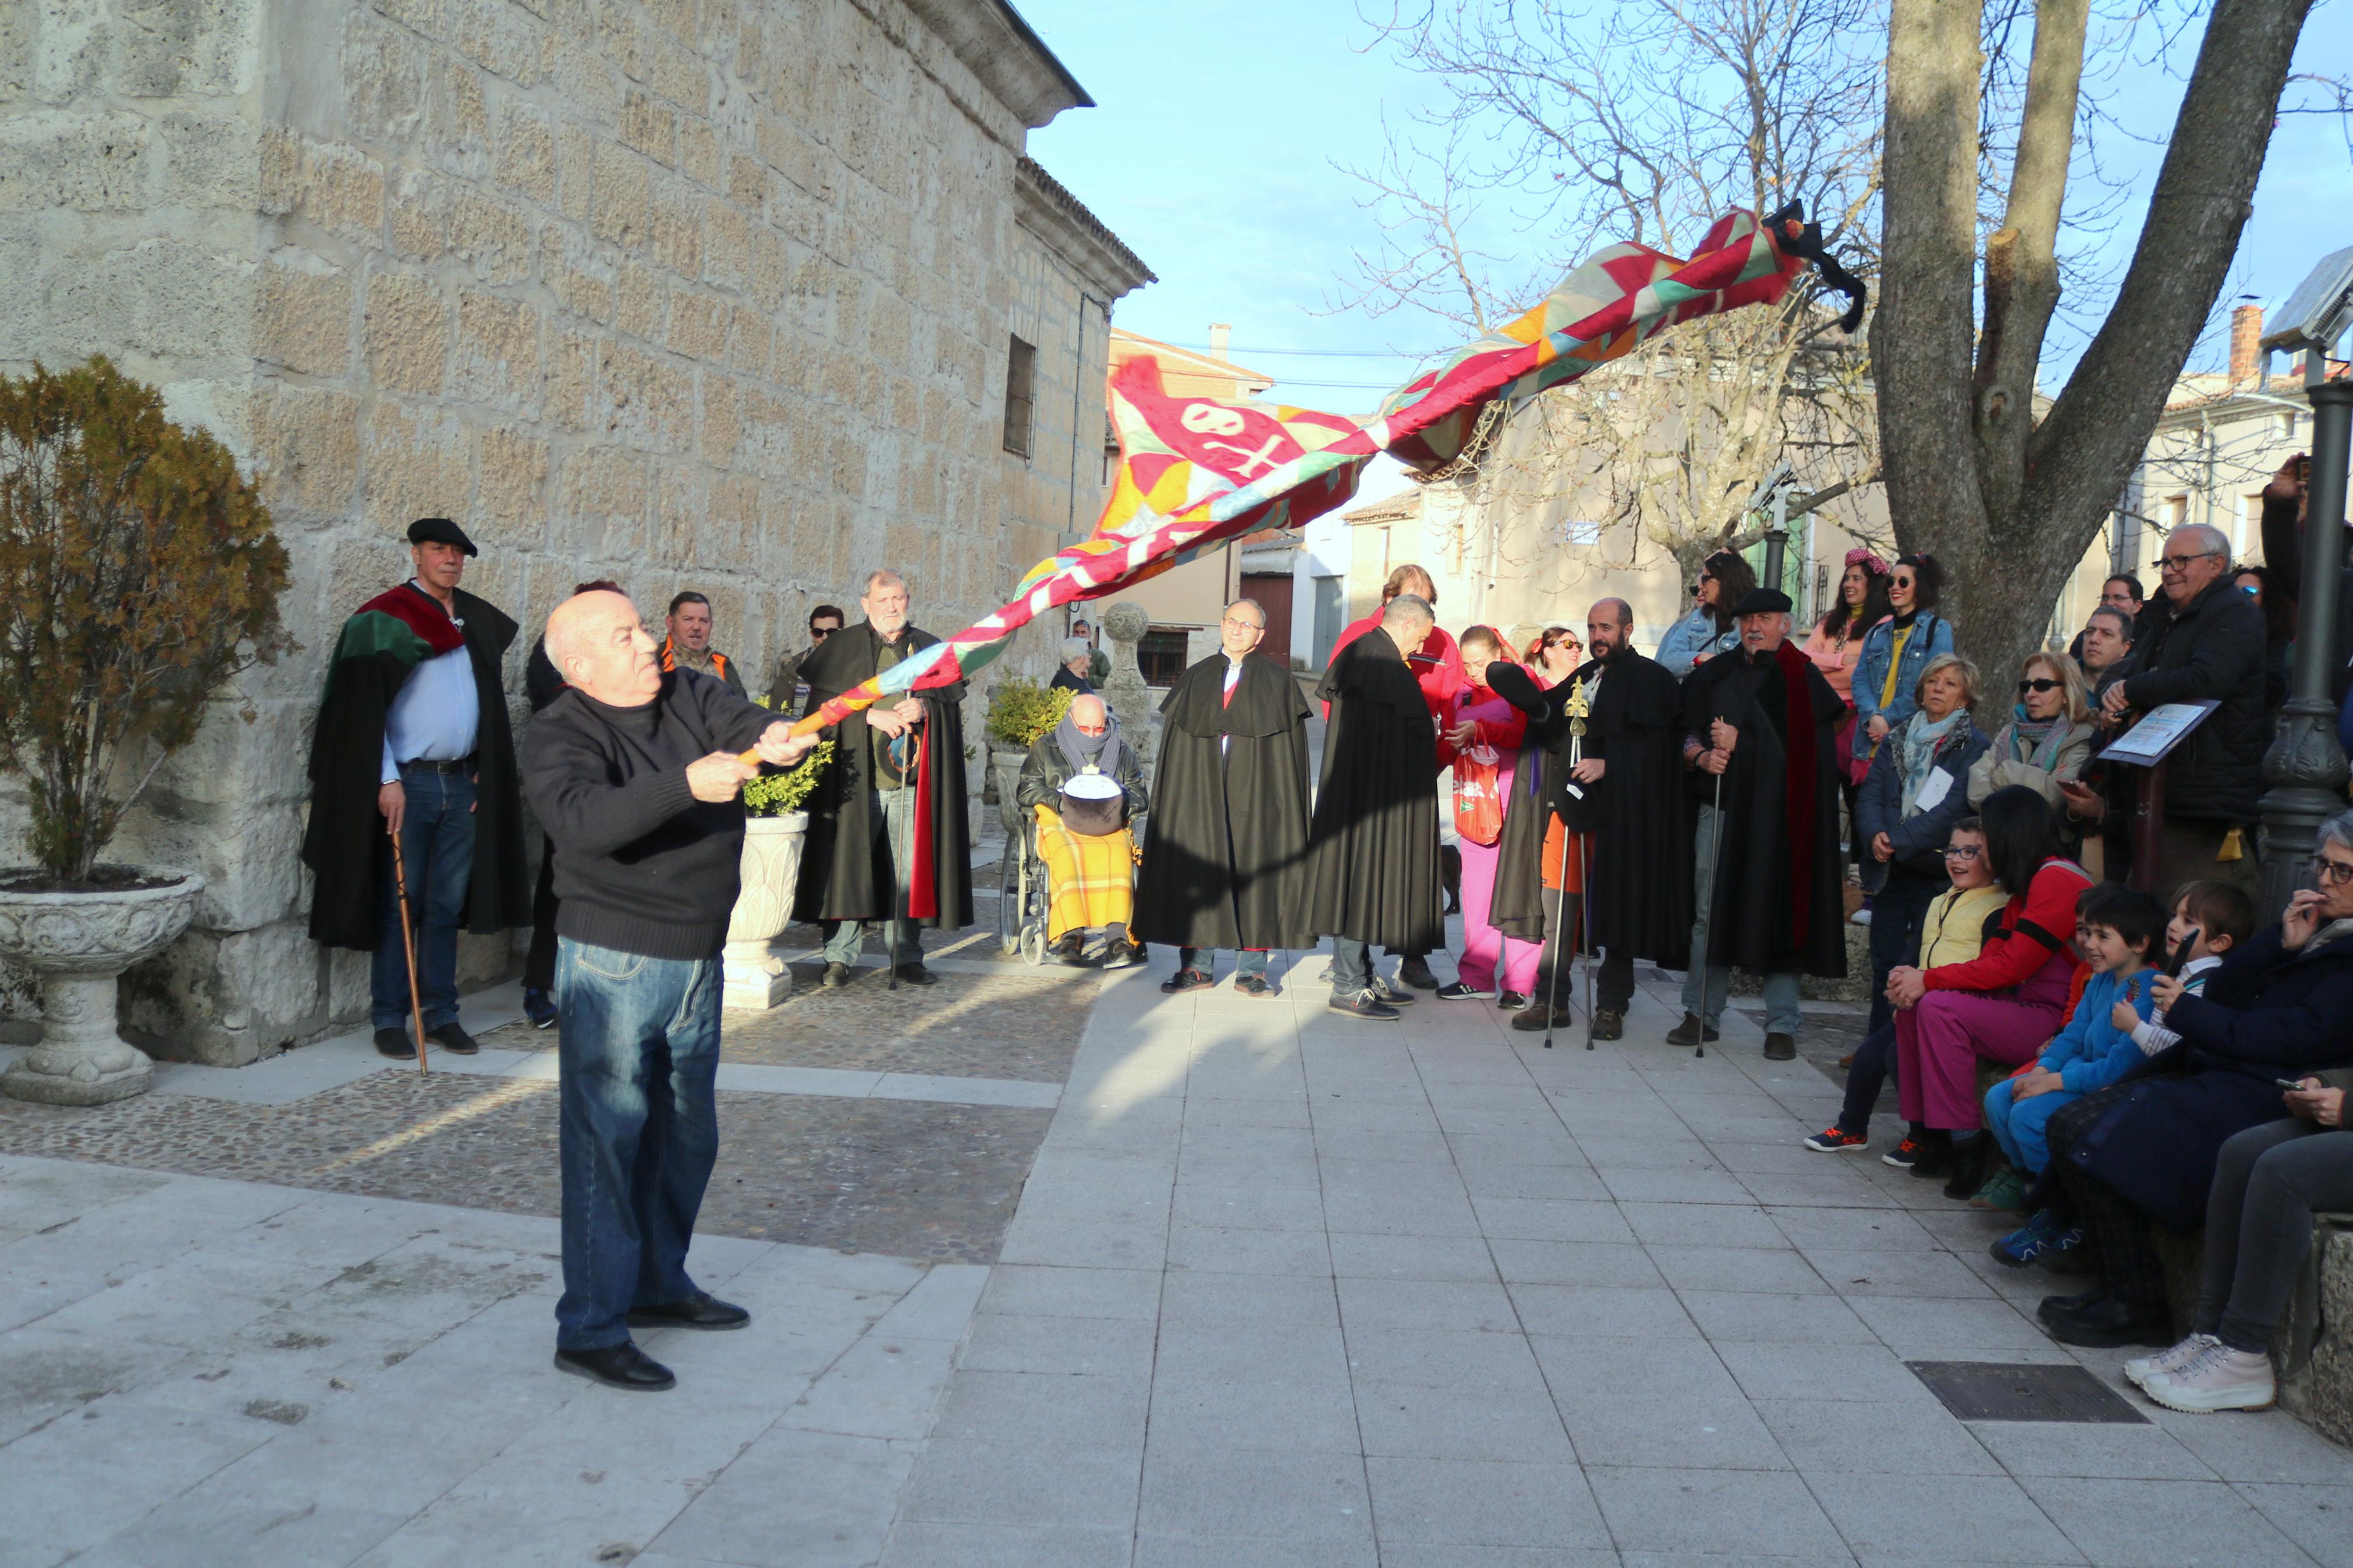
(2305, 765)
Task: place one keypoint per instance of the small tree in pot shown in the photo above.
(138, 573)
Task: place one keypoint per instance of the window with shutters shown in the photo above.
(1020, 377)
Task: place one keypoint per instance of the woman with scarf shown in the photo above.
(1089, 877)
(2048, 740)
(1916, 790)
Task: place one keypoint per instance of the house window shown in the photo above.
(1160, 657)
(2287, 425)
(1020, 384)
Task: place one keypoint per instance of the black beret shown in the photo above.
(441, 531)
(1763, 602)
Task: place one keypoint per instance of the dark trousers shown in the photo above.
(1613, 986)
(1248, 960)
(2117, 1234)
(2268, 1184)
(637, 1042)
(539, 963)
(437, 852)
(1898, 914)
(1873, 1060)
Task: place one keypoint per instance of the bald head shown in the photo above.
(1609, 628)
(1090, 715)
(596, 642)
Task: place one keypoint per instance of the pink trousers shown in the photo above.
(1482, 944)
(1937, 1044)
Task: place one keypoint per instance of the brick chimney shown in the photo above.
(2247, 330)
(1222, 332)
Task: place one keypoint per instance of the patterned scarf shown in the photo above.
(2036, 738)
(1920, 738)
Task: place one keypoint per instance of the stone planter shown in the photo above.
(1004, 767)
(755, 977)
(78, 944)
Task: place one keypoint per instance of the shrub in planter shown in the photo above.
(138, 573)
(1019, 711)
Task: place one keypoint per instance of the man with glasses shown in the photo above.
(2204, 641)
(1225, 847)
(823, 622)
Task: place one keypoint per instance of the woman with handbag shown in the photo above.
(1481, 740)
(1085, 788)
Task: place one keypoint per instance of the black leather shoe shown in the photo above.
(1532, 1022)
(916, 974)
(1691, 1032)
(1780, 1047)
(1122, 955)
(1609, 1025)
(1186, 980)
(1415, 972)
(1070, 952)
(2111, 1321)
(398, 1043)
(622, 1367)
(1972, 1163)
(2061, 1306)
(1935, 1159)
(837, 975)
(1455, 991)
(1253, 985)
(1390, 992)
(453, 1039)
(700, 1311)
(1360, 1004)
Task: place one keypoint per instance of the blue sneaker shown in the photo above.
(539, 1009)
(2039, 1240)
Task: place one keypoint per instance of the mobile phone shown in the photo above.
(2181, 954)
(2289, 1082)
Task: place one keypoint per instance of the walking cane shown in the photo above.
(408, 944)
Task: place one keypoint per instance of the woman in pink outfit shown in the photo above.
(1477, 717)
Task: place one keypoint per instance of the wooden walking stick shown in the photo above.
(409, 944)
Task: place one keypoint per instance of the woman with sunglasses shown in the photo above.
(1895, 653)
(1553, 656)
(2048, 740)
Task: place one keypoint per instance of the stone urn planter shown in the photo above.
(755, 977)
(78, 943)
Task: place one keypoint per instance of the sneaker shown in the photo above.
(2039, 1240)
(1415, 972)
(540, 1008)
(1070, 951)
(1122, 955)
(1510, 1001)
(2219, 1378)
(1188, 980)
(1904, 1155)
(1859, 918)
(2137, 1369)
(2004, 1192)
(1691, 1032)
(1364, 1003)
(1253, 985)
(1455, 991)
(1836, 1139)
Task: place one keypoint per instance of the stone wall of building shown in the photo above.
(688, 293)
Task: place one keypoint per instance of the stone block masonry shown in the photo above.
(689, 293)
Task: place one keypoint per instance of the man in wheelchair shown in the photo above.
(1084, 787)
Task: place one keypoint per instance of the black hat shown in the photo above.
(1763, 602)
(441, 531)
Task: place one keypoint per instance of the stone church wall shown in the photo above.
(689, 293)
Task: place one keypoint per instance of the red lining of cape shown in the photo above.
(422, 614)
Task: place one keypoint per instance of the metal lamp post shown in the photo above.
(2305, 765)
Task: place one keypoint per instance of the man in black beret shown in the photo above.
(413, 740)
(1758, 732)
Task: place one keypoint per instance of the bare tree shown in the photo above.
(2007, 491)
(1643, 121)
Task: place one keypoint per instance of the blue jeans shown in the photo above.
(436, 850)
(1352, 966)
(1706, 985)
(2022, 1128)
(888, 813)
(638, 1039)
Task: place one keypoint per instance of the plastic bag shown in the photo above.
(1479, 794)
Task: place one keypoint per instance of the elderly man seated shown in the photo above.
(1085, 787)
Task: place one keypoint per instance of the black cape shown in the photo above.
(1638, 890)
(1372, 852)
(1768, 916)
(341, 845)
(844, 874)
(1225, 849)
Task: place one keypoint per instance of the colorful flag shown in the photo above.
(1195, 473)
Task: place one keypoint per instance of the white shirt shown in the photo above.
(435, 714)
(1233, 678)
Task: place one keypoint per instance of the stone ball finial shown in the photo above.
(1126, 621)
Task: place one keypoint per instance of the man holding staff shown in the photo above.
(633, 771)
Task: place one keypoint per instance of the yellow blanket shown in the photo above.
(1090, 882)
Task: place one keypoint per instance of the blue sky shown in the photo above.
(1212, 153)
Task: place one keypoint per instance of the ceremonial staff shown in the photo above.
(1578, 708)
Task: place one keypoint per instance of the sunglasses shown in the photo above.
(2044, 684)
(821, 633)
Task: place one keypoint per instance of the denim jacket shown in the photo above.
(1690, 637)
(1931, 634)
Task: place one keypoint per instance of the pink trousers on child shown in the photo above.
(1482, 944)
(1937, 1044)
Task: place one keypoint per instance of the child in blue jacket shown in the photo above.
(2121, 932)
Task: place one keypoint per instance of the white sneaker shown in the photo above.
(2219, 1379)
(1859, 918)
(2137, 1369)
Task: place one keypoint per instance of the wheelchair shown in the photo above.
(1022, 896)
